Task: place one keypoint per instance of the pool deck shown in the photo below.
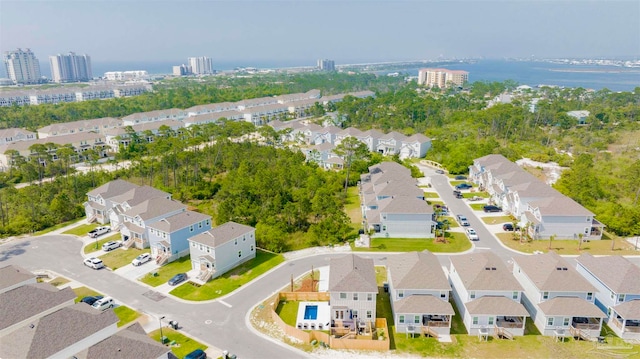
(322, 321)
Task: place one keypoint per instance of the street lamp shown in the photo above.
(161, 336)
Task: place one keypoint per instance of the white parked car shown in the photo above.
(471, 233)
(103, 304)
(111, 245)
(141, 259)
(94, 263)
(99, 231)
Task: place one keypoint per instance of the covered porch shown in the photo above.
(581, 318)
(161, 251)
(499, 316)
(133, 235)
(206, 268)
(423, 314)
(625, 320)
(596, 230)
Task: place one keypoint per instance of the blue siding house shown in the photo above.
(168, 237)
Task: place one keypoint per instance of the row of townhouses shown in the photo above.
(149, 218)
(69, 94)
(106, 135)
(544, 211)
(393, 205)
(492, 298)
(52, 326)
(321, 141)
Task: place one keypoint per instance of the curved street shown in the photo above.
(221, 323)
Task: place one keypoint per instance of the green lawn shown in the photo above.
(288, 311)
(496, 220)
(91, 247)
(431, 195)
(452, 222)
(120, 257)
(182, 265)
(569, 247)
(475, 194)
(125, 314)
(231, 280)
(477, 206)
(432, 202)
(352, 208)
(455, 183)
(57, 226)
(58, 281)
(457, 242)
(184, 345)
(82, 229)
(82, 292)
(381, 275)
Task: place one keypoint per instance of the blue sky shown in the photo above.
(301, 31)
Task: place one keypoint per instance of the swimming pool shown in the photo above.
(311, 312)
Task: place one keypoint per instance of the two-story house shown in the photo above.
(559, 299)
(487, 295)
(352, 294)
(618, 291)
(220, 249)
(99, 202)
(137, 219)
(168, 237)
(117, 204)
(419, 292)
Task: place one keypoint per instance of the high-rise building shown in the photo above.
(326, 65)
(181, 70)
(442, 78)
(200, 65)
(22, 66)
(70, 67)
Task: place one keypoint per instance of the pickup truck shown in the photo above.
(99, 231)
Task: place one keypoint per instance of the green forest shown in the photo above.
(294, 204)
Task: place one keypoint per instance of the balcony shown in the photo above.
(510, 322)
(583, 323)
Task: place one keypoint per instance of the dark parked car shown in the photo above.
(196, 354)
(460, 177)
(463, 186)
(440, 172)
(178, 278)
(490, 208)
(91, 300)
(457, 193)
(509, 227)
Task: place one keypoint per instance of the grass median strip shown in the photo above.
(183, 344)
(120, 257)
(125, 314)
(456, 242)
(569, 246)
(96, 246)
(81, 230)
(182, 265)
(231, 280)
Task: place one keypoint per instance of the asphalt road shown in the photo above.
(221, 323)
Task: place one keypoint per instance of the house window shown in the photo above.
(244, 238)
(239, 253)
(199, 224)
(545, 295)
(401, 320)
(589, 296)
(355, 296)
(613, 296)
(416, 319)
(207, 222)
(252, 247)
(164, 235)
(586, 230)
(201, 247)
(235, 242)
(400, 294)
(354, 314)
(491, 320)
(620, 297)
(565, 322)
(369, 297)
(191, 228)
(475, 320)
(443, 295)
(472, 295)
(193, 244)
(208, 249)
(514, 296)
(369, 314)
(549, 321)
(343, 295)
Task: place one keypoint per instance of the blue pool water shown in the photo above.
(311, 312)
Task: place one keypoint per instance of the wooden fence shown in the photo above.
(304, 296)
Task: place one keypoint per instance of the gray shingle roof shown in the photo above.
(484, 271)
(113, 188)
(497, 305)
(399, 188)
(132, 342)
(570, 306)
(629, 310)
(30, 300)
(154, 208)
(12, 274)
(423, 304)
(222, 234)
(75, 138)
(178, 221)
(404, 205)
(389, 166)
(352, 273)
(616, 272)
(48, 335)
(549, 272)
(138, 195)
(417, 270)
(418, 137)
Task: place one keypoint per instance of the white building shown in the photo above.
(200, 65)
(126, 75)
(70, 67)
(442, 78)
(22, 66)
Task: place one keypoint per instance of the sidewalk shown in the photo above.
(316, 250)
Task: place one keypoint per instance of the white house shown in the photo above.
(419, 293)
(9, 135)
(559, 299)
(352, 294)
(390, 143)
(544, 211)
(98, 125)
(136, 219)
(122, 136)
(487, 295)
(151, 116)
(220, 249)
(618, 291)
(415, 146)
(580, 115)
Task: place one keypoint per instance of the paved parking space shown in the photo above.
(132, 272)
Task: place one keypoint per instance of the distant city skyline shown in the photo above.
(303, 31)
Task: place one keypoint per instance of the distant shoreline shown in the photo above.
(599, 71)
